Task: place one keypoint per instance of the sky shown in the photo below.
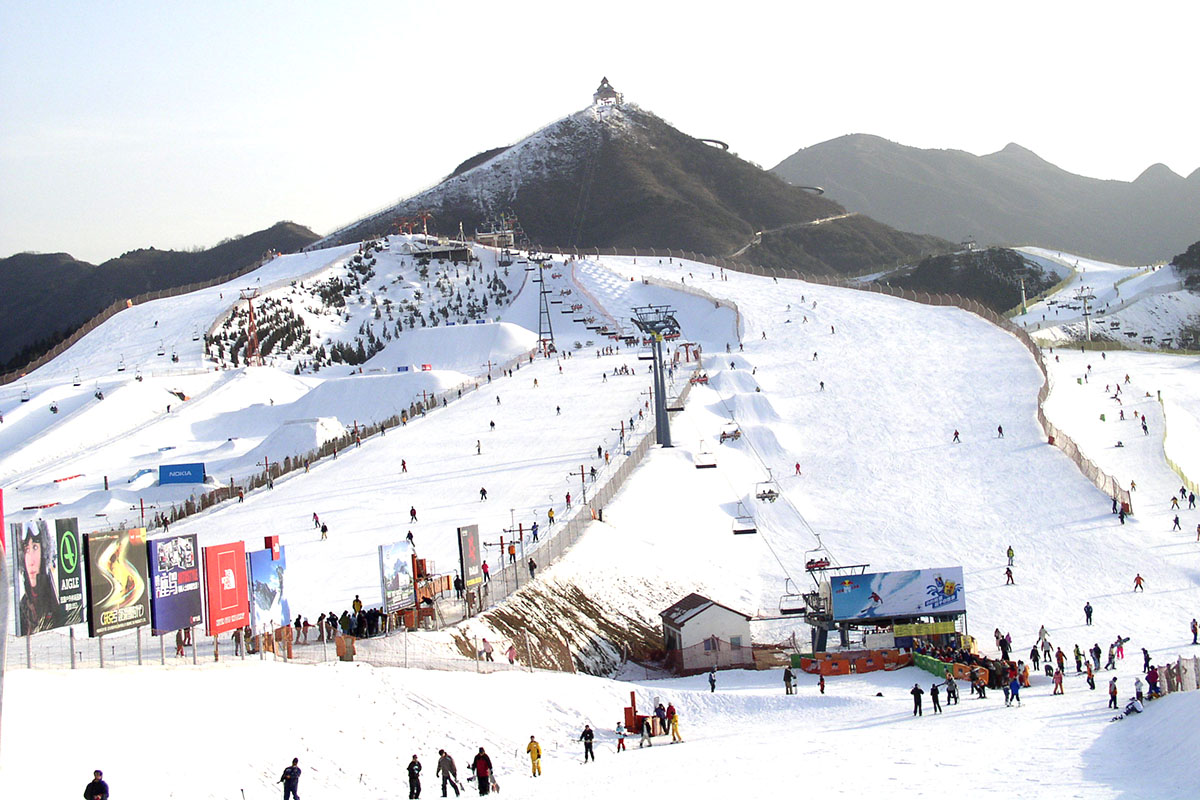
(137, 124)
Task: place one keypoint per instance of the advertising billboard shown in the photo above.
(225, 587)
(174, 583)
(911, 593)
(47, 575)
(118, 580)
(180, 473)
(470, 559)
(268, 604)
(395, 575)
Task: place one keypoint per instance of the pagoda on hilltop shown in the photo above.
(606, 95)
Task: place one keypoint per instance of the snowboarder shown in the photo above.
(290, 780)
(1010, 555)
(414, 778)
(482, 767)
(1137, 583)
(587, 738)
(916, 693)
(712, 679)
(1008, 575)
(448, 771)
(98, 789)
(1087, 613)
(535, 756)
(956, 439)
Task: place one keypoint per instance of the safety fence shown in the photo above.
(1181, 675)
(1055, 436)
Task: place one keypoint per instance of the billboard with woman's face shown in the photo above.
(47, 575)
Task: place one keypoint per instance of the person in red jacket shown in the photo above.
(482, 767)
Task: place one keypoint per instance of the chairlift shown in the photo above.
(731, 432)
(137, 374)
(645, 354)
(76, 381)
(792, 601)
(195, 334)
(704, 458)
(818, 558)
(25, 395)
(699, 377)
(162, 350)
(743, 522)
(121, 364)
(766, 492)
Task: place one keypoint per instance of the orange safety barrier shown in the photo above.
(960, 671)
(809, 665)
(867, 664)
(835, 666)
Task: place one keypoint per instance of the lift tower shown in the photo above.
(253, 357)
(657, 323)
(545, 329)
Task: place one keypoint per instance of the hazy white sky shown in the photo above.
(130, 124)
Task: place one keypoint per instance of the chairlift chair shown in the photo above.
(195, 334)
(645, 354)
(121, 364)
(704, 458)
(766, 492)
(792, 601)
(76, 382)
(743, 522)
(162, 350)
(731, 432)
(25, 395)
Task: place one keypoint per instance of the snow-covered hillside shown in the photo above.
(863, 392)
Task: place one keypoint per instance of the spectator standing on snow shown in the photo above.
(535, 756)
(620, 737)
(821, 684)
(482, 494)
(532, 568)
(97, 789)
(1195, 630)
(448, 771)
(788, 678)
(587, 738)
(712, 679)
(1091, 676)
(1008, 577)
(458, 587)
(1087, 612)
(1010, 555)
(1112, 692)
(645, 733)
(916, 693)
(956, 439)
(324, 531)
(1034, 656)
(487, 572)
(933, 696)
(1014, 687)
(290, 780)
(414, 778)
(1145, 660)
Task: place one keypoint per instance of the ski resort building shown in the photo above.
(606, 95)
(699, 634)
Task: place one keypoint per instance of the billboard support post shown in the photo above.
(139, 645)
(162, 651)
(72, 632)
(29, 652)
(195, 646)
(100, 647)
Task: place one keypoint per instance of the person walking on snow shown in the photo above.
(999, 431)
(620, 737)
(788, 678)
(1195, 630)
(535, 756)
(1008, 574)
(324, 531)
(1014, 688)
(916, 693)
(1087, 612)
(587, 737)
(481, 765)
(956, 439)
(645, 734)
(449, 772)
(290, 780)
(1176, 526)
(550, 517)
(821, 684)
(1174, 502)
(482, 494)
(1034, 656)
(1010, 555)
(1137, 583)
(1112, 692)
(797, 467)
(98, 789)
(674, 717)
(414, 778)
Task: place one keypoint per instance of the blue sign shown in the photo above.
(175, 583)
(912, 593)
(269, 608)
(180, 473)
(402, 369)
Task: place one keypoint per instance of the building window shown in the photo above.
(735, 642)
(710, 644)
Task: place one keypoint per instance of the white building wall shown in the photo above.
(715, 621)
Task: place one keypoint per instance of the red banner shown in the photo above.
(226, 588)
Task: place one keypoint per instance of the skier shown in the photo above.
(933, 695)
(535, 756)
(409, 538)
(98, 789)
(712, 679)
(482, 767)
(316, 520)
(290, 780)
(482, 494)
(1010, 555)
(1008, 575)
(412, 514)
(1058, 682)
(916, 693)
(1087, 612)
(587, 737)
(1078, 660)
(449, 772)
(414, 778)
(1091, 676)
(1137, 583)
(1112, 692)
(403, 465)
(956, 439)
(1014, 687)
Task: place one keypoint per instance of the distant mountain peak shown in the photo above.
(1158, 173)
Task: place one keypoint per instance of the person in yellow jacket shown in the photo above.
(675, 737)
(535, 756)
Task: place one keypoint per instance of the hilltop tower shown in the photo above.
(606, 95)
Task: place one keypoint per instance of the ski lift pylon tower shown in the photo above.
(253, 358)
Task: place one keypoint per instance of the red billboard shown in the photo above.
(225, 585)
